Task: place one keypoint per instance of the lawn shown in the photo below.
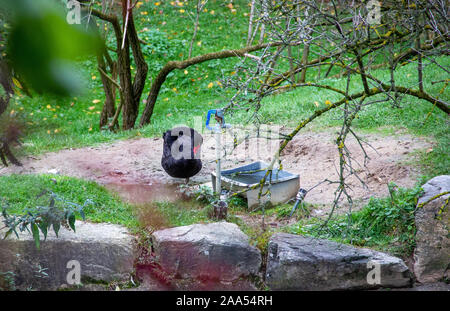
(21, 193)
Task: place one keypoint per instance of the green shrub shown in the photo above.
(386, 224)
(39, 219)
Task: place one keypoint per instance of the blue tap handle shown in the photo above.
(218, 113)
(208, 118)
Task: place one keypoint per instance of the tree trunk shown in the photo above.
(130, 89)
(250, 23)
(109, 107)
(263, 25)
(305, 55)
(6, 154)
(141, 66)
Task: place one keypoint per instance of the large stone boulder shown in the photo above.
(432, 252)
(105, 252)
(302, 263)
(216, 251)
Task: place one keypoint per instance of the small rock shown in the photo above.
(318, 212)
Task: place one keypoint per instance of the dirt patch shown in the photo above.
(315, 158)
(133, 169)
(140, 194)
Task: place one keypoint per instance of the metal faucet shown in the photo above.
(300, 196)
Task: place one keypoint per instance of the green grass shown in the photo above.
(386, 224)
(21, 191)
(182, 213)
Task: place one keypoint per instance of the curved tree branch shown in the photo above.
(172, 65)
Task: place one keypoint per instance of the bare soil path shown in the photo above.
(133, 167)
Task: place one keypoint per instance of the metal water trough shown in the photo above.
(284, 187)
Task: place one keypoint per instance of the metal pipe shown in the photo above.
(218, 168)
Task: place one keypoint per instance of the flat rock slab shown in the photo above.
(105, 252)
(302, 263)
(215, 251)
(432, 252)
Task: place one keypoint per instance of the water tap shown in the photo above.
(300, 196)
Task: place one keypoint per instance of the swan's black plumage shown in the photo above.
(177, 163)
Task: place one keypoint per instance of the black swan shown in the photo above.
(181, 152)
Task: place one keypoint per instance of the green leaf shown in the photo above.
(71, 219)
(43, 226)
(46, 60)
(35, 231)
(8, 233)
(56, 226)
(15, 232)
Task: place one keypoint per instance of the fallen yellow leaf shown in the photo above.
(17, 83)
